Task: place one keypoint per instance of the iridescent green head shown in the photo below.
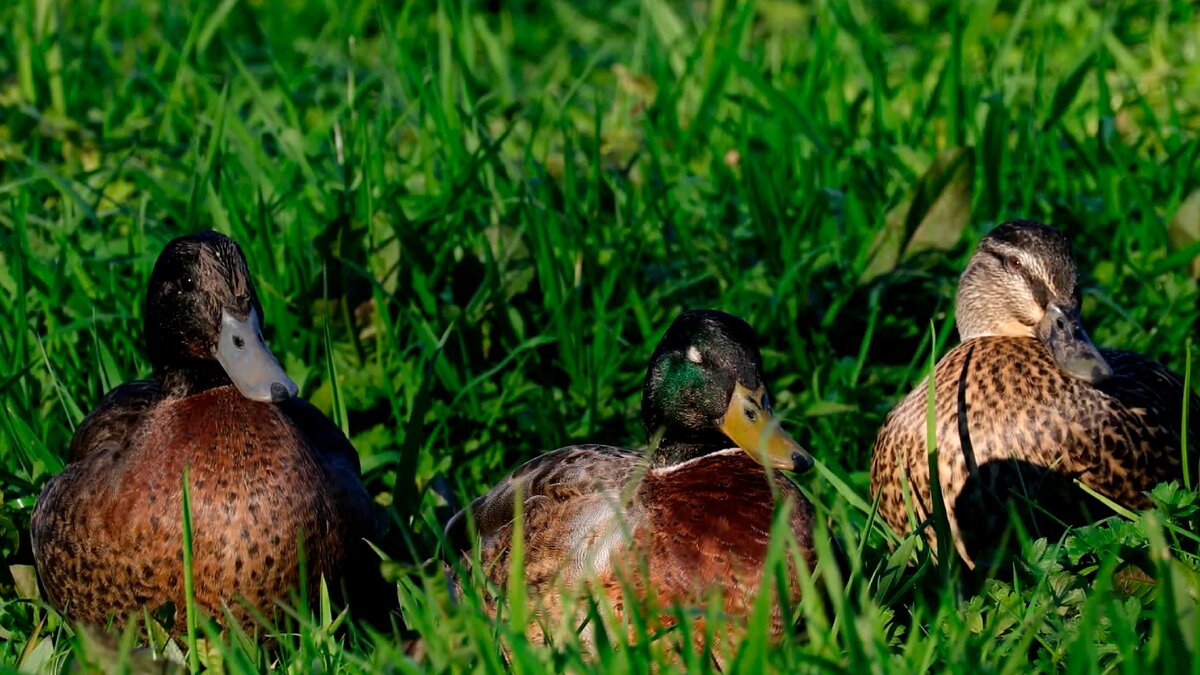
(704, 392)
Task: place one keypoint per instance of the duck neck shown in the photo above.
(670, 452)
(191, 378)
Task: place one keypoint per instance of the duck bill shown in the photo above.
(247, 361)
(1062, 332)
(755, 430)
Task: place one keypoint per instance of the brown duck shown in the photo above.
(691, 516)
(1026, 404)
(265, 466)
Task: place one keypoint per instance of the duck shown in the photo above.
(272, 480)
(690, 514)
(1027, 408)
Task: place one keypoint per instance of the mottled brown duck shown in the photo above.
(1026, 405)
(691, 515)
(266, 468)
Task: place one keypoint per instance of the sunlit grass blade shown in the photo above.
(1186, 407)
(189, 587)
(945, 551)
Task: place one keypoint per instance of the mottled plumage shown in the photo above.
(107, 531)
(672, 530)
(1013, 420)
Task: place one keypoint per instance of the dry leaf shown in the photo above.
(1184, 228)
(25, 579)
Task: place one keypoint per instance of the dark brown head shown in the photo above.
(1022, 282)
(202, 321)
(704, 392)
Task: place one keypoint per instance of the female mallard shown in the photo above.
(696, 511)
(1027, 403)
(265, 466)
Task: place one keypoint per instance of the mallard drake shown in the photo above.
(265, 467)
(694, 513)
(1026, 404)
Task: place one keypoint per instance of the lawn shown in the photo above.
(470, 222)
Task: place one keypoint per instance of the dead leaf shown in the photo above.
(1130, 579)
(642, 88)
(210, 657)
(25, 579)
(946, 188)
(932, 217)
(101, 651)
(38, 659)
(1184, 228)
(888, 242)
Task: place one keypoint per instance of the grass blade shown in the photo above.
(189, 589)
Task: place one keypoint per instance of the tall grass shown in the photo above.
(470, 222)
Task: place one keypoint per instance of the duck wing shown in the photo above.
(369, 594)
(117, 419)
(574, 511)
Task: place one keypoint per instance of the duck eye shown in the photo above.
(186, 285)
(1013, 263)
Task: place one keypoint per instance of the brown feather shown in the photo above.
(107, 531)
(599, 518)
(1027, 428)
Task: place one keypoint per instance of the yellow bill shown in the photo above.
(754, 429)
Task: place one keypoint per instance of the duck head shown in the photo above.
(203, 322)
(704, 392)
(1022, 282)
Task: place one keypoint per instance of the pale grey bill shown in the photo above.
(248, 361)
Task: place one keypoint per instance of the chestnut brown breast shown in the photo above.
(108, 532)
(706, 527)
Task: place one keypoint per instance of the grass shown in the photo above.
(469, 222)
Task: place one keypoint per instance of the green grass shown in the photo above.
(469, 223)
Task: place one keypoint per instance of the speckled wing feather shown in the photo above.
(107, 433)
(566, 496)
(112, 423)
(1153, 398)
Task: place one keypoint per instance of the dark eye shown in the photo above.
(1013, 263)
(186, 285)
